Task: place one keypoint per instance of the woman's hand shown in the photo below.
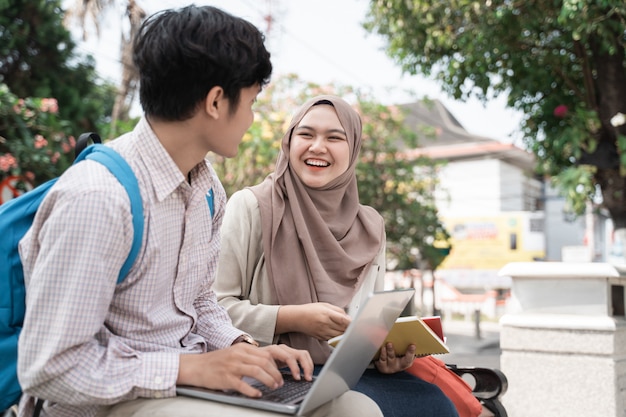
(322, 321)
(389, 363)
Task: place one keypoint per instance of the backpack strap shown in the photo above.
(85, 140)
(125, 175)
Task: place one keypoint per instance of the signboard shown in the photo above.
(490, 242)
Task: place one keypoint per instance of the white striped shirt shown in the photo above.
(88, 342)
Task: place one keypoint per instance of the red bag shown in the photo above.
(436, 372)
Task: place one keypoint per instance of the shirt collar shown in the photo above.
(165, 174)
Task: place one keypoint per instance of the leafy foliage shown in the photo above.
(566, 55)
(38, 59)
(400, 189)
(48, 93)
(34, 143)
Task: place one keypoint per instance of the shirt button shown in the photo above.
(158, 394)
(110, 389)
(158, 380)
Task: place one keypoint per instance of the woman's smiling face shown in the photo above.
(319, 150)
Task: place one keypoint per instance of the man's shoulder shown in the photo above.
(88, 182)
(86, 175)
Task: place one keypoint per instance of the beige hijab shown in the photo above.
(319, 243)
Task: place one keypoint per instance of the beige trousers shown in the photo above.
(351, 403)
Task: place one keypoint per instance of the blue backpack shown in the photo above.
(16, 217)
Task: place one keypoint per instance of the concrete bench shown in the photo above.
(563, 341)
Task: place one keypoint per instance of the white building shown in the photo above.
(493, 204)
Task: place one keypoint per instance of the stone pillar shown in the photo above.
(563, 340)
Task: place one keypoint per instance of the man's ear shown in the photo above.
(215, 101)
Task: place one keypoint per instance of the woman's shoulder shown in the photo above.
(243, 201)
(244, 197)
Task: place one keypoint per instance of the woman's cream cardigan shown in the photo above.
(242, 285)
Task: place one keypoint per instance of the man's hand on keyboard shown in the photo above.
(224, 369)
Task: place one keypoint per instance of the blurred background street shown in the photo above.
(466, 349)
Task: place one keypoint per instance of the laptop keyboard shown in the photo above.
(290, 391)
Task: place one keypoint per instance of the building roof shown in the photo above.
(452, 142)
(432, 113)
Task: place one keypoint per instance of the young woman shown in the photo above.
(299, 250)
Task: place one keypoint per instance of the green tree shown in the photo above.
(91, 14)
(400, 189)
(562, 63)
(38, 58)
(39, 66)
(38, 148)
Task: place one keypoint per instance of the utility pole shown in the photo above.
(590, 230)
(272, 16)
(269, 18)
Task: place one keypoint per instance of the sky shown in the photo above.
(323, 41)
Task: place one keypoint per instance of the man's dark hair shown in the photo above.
(182, 54)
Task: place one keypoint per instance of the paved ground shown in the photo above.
(466, 349)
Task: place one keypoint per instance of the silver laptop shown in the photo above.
(341, 372)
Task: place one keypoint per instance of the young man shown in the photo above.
(90, 347)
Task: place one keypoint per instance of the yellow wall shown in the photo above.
(490, 242)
